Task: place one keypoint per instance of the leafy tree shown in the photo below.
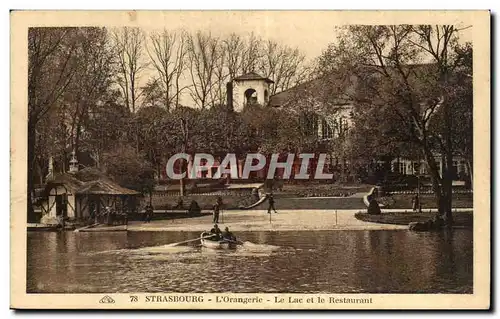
(402, 79)
(152, 136)
(92, 84)
(108, 124)
(51, 68)
(129, 169)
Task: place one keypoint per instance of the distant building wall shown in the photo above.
(409, 167)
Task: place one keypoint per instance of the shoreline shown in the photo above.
(284, 220)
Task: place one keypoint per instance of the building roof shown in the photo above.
(310, 89)
(88, 181)
(252, 76)
(69, 181)
(319, 90)
(105, 187)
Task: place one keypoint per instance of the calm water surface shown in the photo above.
(306, 262)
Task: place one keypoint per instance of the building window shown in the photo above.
(309, 124)
(327, 130)
(415, 168)
(402, 168)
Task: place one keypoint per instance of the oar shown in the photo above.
(190, 240)
(85, 227)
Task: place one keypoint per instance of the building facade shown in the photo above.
(253, 88)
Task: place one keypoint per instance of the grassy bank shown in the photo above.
(427, 201)
(316, 189)
(206, 202)
(461, 219)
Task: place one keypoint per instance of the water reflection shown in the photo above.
(316, 261)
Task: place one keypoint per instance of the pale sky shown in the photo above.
(311, 36)
(309, 31)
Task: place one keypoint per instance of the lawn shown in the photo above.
(315, 189)
(427, 201)
(462, 219)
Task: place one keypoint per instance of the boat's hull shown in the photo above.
(217, 244)
(220, 244)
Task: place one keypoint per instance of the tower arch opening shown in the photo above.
(250, 96)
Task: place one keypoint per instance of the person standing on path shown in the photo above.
(271, 204)
(416, 203)
(149, 213)
(221, 206)
(216, 213)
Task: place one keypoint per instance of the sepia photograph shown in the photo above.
(251, 158)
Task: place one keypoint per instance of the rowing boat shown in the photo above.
(216, 244)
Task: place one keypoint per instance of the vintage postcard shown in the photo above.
(250, 160)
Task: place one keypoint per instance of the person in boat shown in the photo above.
(271, 204)
(216, 230)
(228, 235)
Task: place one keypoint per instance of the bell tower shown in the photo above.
(248, 89)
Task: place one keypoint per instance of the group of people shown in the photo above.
(194, 209)
(225, 235)
(109, 216)
(218, 206)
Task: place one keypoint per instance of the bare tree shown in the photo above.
(129, 46)
(234, 46)
(202, 56)
(168, 54)
(252, 53)
(221, 76)
(284, 65)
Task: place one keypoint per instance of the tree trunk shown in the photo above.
(437, 181)
(31, 161)
(470, 172)
(447, 190)
(76, 143)
(448, 175)
(181, 181)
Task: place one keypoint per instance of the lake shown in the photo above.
(347, 261)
